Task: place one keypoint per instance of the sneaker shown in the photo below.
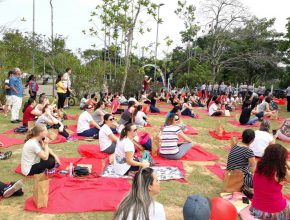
(6, 155)
(13, 188)
(14, 122)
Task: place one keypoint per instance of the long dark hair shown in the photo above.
(58, 78)
(138, 200)
(28, 103)
(273, 161)
(125, 131)
(139, 108)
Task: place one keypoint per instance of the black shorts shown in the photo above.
(67, 93)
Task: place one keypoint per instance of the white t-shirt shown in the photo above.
(104, 139)
(184, 106)
(156, 212)
(120, 163)
(84, 122)
(139, 118)
(29, 156)
(66, 80)
(132, 99)
(261, 141)
(212, 109)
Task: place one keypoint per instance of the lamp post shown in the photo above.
(156, 44)
(52, 48)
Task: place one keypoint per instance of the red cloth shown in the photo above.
(97, 165)
(115, 105)
(10, 141)
(205, 111)
(165, 106)
(72, 117)
(11, 131)
(72, 195)
(91, 151)
(161, 113)
(73, 128)
(196, 153)
(190, 130)
(27, 116)
(59, 139)
(226, 135)
(237, 124)
(217, 170)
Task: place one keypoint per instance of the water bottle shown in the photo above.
(71, 169)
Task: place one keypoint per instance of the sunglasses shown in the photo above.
(112, 119)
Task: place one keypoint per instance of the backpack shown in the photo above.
(81, 171)
(146, 141)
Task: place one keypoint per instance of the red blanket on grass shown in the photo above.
(91, 151)
(97, 165)
(75, 136)
(237, 124)
(190, 130)
(226, 135)
(205, 111)
(10, 141)
(11, 131)
(196, 153)
(161, 113)
(72, 117)
(71, 195)
(217, 170)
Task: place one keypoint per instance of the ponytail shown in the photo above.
(125, 131)
(35, 131)
(28, 103)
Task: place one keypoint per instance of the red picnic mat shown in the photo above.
(217, 170)
(91, 151)
(10, 141)
(72, 117)
(73, 195)
(75, 136)
(196, 153)
(97, 165)
(160, 113)
(237, 124)
(226, 135)
(190, 130)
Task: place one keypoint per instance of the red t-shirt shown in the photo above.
(146, 85)
(27, 116)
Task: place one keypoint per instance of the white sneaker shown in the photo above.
(15, 187)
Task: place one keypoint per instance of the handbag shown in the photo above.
(81, 171)
(233, 181)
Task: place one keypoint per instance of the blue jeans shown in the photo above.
(89, 133)
(252, 120)
(183, 148)
(187, 112)
(153, 109)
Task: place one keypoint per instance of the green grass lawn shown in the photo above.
(173, 194)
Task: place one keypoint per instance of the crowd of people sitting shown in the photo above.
(263, 162)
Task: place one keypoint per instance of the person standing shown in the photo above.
(146, 82)
(209, 89)
(8, 102)
(33, 87)
(16, 87)
(288, 98)
(61, 93)
(66, 80)
(203, 87)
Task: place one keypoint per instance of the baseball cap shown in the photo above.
(196, 207)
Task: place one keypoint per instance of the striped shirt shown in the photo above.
(169, 139)
(239, 158)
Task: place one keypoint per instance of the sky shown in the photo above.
(72, 16)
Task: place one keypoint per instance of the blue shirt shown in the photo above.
(17, 84)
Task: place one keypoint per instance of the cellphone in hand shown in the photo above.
(245, 200)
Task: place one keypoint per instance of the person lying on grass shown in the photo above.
(36, 155)
(169, 147)
(139, 204)
(124, 161)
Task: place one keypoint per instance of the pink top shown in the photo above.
(115, 105)
(268, 194)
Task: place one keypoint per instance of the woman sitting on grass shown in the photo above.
(242, 157)
(187, 109)
(284, 131)
(273, 171)
(153, 99)
(247, 111)
(36, 155)
(85, 121)
(51, 122)
(139, 204)
(214, 109)
(107, 139)
(140, 118)
(124, 153)
(169, 147)
(29, 112)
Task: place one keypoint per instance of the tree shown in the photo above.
(122, 19)
(221, 16)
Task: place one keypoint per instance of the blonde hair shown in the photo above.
(35, 131)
